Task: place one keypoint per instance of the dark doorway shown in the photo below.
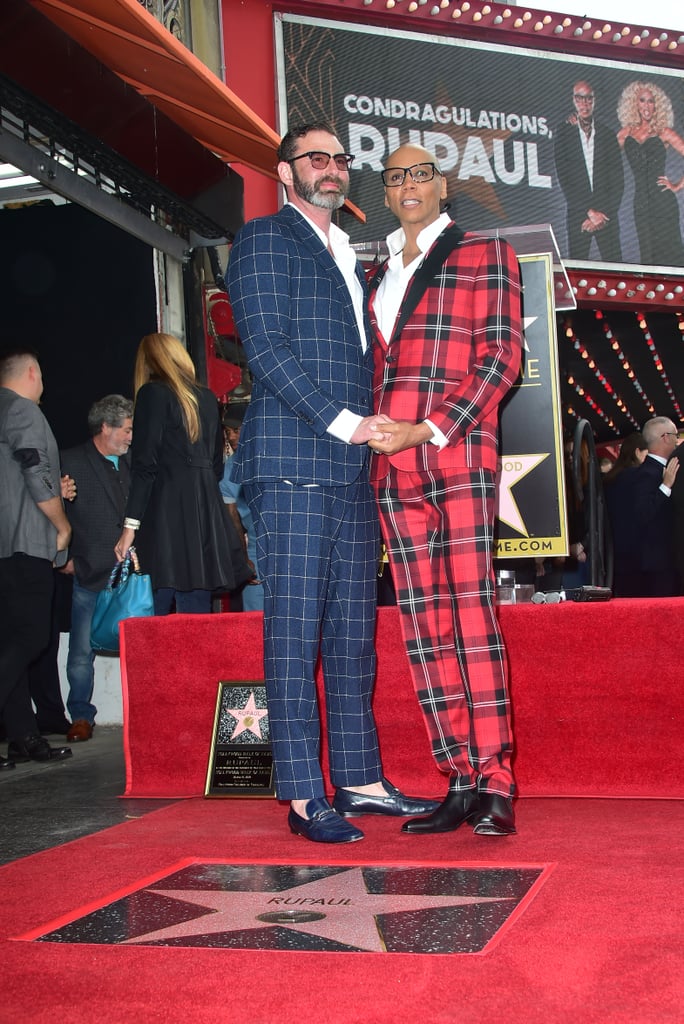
(81, 292)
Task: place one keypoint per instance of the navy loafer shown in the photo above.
(350, 804)
(323, 825)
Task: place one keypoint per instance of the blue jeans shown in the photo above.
(252, 594)
(81, 657)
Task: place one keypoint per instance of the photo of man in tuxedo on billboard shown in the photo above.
(590, 172)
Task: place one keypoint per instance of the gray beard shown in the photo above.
(324, 200)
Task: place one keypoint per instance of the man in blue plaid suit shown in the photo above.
(297, 293)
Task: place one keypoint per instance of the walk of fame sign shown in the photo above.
(240, 759)
(321, 908)
(531, 512)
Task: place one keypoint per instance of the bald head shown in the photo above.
(406, 156)
(20, 372)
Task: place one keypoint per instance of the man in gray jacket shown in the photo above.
(34, 536)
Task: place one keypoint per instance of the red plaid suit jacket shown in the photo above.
(456, 356)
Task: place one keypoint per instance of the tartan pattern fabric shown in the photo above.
(452, 361)
(456, 357)
(438, 531)
(314, 549)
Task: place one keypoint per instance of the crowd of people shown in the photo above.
(645, 502)
(150, 470)
(373, 417)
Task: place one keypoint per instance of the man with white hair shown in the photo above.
(100, 469)
(650, 569)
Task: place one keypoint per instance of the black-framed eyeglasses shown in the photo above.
(670, 433)
(586, 97)
(393, 177)
(320, 161)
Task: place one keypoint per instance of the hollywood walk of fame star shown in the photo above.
(339, 908)
(512, 470)
(247, 717)
(527, 322)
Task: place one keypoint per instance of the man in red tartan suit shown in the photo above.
(445, 313)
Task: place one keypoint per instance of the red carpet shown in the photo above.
(600, 943)
(596, 688)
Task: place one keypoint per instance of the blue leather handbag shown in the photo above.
(128, 595)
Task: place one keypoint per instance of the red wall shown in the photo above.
(250, 73)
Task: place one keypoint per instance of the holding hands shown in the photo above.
(371, 428)
(398, 435)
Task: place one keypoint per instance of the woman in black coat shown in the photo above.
(175, 514)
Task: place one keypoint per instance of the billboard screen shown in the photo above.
(506, 124)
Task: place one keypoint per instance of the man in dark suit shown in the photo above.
(100, 469)
(643, 519)
(445, 314)
(34, 536)
(590, 172)
(297, 293)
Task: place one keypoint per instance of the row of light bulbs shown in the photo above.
(522, 19)
(600, 376)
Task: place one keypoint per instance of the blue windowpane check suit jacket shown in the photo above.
(301, 337)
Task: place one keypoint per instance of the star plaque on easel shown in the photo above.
(240, 760)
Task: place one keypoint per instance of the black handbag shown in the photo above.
(128, 595)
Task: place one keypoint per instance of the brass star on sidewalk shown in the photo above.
(337, 907)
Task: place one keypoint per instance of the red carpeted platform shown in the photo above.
(596, 688)
(599, 943)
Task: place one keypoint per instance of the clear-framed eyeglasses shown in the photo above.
(320, 161)
(393, 177)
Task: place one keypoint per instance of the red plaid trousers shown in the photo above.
(438, 530)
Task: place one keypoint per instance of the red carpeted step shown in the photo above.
(596, 689)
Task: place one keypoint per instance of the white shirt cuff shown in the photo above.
(438, 438)
(344, 425)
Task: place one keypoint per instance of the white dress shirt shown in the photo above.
(337, 243)
(390, 294)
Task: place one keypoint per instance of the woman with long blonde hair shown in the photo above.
(175, 514)
(647, 135)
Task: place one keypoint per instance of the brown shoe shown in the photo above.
(80, 731)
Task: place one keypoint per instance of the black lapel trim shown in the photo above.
(447, 241)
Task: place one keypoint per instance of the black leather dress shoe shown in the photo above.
(495, 816)
(6, 765)
(35, 748)
(351, 804)
(458, 806)
(323, 824)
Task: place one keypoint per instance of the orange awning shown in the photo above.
(128, 40)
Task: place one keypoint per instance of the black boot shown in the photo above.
(494, 816)
(458, 806)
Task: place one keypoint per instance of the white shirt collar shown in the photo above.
(337, 237)
(397, 239)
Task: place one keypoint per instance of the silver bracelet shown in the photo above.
(131, 524)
